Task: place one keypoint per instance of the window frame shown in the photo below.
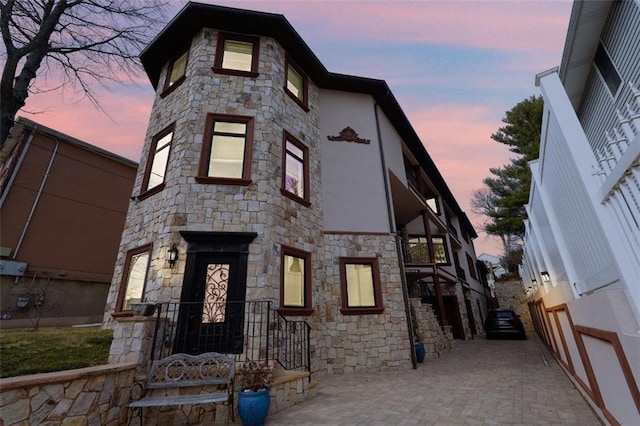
(220, 50)
(307, 309)
(377, 286)
(207, 142)
(444, 245)
(168, 87)
(472, 266)
(288, 137)
(304, 101)
(608, 63)
(124, 280)
(144, 193)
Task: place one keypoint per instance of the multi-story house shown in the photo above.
(265, 177)
(63, 204)
(582, 246)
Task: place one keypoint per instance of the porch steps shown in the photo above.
(290, 388)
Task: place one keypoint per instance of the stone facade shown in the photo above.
(511, 295)
(86, 396)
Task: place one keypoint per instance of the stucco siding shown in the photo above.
(353, 194)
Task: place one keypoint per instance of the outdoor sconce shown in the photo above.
(545, 276)
(534, 281)
(173, 256)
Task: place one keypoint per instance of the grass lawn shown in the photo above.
(52, 349)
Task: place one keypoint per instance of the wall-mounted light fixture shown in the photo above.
(172, 256)
(545, 276)
(534, 281)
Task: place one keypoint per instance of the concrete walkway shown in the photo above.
(479, 382)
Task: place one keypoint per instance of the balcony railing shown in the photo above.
(252, 331)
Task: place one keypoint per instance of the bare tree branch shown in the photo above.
(81, 42)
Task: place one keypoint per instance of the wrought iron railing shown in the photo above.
(291, 343)
(252, 331)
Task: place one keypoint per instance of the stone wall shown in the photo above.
(436, 340)
(93, 395)
(511, 295)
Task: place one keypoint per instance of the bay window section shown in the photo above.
(176, 73)
(295, 287)
(237, 54)
(157, 161)
(226, 150)
(295, 170)
(296, 84)
(360, 286)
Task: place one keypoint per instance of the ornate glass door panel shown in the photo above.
(212, 307)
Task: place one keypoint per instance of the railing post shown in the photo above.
(268, 328)
(155, 333)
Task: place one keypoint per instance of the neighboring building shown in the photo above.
(277, 180)
(63, 204)
(582, 243)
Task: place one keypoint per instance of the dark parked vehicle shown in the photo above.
(503, 323)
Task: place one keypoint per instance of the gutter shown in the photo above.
(403, 277)
(17, 166)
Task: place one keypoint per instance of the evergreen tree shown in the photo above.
(505, 194)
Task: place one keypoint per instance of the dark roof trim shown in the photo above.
(195, 16)
(39, 128)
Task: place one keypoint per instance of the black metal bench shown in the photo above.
(207, 370)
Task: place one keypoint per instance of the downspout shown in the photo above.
(37, 199)
(17, 166)
(403, 277)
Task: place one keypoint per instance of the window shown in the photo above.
(134, 278)
(432, 203)
(295, 170)
(226, 150)
(607, 70)
(157, 161)
(360, 286)
(472, 267)
(237, 55)
(296, 85)
(418, 250)
(295, 289)
(175, 73)
(440, 249)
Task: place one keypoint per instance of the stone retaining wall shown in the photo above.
(435, 339)
(86, 396)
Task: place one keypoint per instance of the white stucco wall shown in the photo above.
(352, 181)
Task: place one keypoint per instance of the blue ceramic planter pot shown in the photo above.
(420, 352)
(253, 407)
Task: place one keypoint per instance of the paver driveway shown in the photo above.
(479, 382)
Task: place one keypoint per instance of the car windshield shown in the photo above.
(504, 314)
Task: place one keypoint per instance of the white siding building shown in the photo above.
(582, 244)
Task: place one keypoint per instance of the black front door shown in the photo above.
(212, 304)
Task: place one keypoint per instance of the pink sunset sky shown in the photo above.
(455, 67)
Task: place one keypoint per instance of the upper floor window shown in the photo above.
(607, 69)
(360, 286)
(176, 72)
(157, 161)
(237, 54)
(295, 170)
(472, 267)
(295, 289)
(226, 150)
(296, 84)
(432, 203)
(440, 249)
(134, 278)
